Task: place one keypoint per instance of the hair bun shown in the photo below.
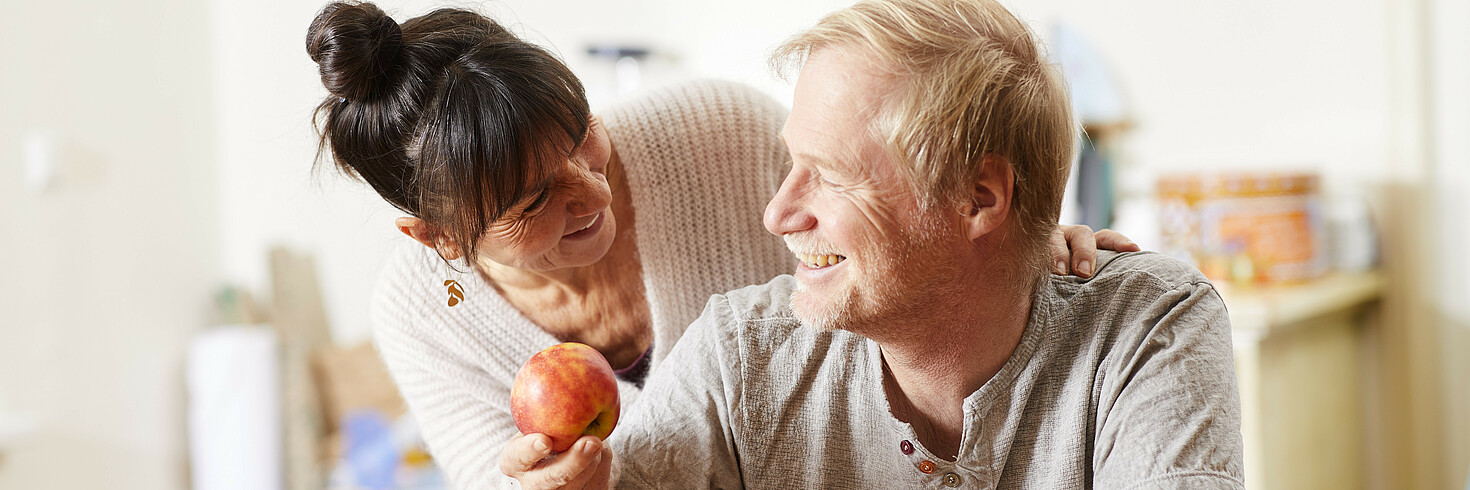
(355, 46)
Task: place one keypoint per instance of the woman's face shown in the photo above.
(567, 222)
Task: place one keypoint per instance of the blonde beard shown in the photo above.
(909, 263)
(822, 316)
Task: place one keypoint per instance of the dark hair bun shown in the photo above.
(355, 46)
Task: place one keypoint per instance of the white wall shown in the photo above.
(1450, 108)
(106, 274)
(1247, 83)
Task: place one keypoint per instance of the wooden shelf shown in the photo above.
(1299, 392)
(1259, 311)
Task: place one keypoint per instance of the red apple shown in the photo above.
(566, 391)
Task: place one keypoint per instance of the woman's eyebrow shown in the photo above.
(546, 183)
(540, 187)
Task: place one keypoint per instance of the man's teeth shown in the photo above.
(819, 261)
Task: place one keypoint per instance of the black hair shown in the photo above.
(449, 117)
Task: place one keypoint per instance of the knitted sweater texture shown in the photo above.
(702, 160)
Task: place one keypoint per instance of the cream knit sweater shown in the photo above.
(702, 161)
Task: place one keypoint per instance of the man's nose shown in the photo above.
(787, 212)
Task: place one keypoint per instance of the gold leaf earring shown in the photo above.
(456, 293)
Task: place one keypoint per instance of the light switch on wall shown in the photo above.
(39, 151)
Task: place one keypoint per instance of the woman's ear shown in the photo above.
(416, 229)
(989, 198)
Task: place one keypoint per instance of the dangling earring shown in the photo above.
(456, 293)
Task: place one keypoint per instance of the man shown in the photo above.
(921, 342)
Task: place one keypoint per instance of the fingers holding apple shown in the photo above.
(587, 464)
(565, 392)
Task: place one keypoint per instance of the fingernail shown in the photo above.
(588, 449)
(1085, 268)
(540, 446)
(1061, 267)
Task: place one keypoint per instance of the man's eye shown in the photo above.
(826, 182)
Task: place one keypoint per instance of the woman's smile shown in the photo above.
(588, 230)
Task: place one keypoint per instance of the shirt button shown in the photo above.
(926, 466)
(907, 447)
(951, 480)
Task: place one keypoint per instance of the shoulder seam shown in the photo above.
(1164, 284)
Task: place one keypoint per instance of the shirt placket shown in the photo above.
(937, 473)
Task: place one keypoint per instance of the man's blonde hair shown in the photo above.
(974, 83)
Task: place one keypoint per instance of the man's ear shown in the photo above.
(989, 198)
(416, 229)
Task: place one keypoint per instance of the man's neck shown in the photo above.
(963, 342)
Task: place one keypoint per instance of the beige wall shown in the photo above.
(106, 274)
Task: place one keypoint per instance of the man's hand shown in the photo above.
(1074, 248)
(528, 459)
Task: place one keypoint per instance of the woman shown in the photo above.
(540, 223)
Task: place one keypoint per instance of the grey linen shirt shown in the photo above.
(1125, 380)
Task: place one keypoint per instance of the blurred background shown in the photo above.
(185, 302)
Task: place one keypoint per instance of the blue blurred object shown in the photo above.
(379, 453)
(371, 455)
(1094, 186)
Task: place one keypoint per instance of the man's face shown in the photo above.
(866, 246)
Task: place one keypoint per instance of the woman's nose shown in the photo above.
(591, 190)
(597, 161)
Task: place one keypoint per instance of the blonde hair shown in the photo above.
(977, 84)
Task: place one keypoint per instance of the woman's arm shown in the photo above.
(454, 365)
(464, 426)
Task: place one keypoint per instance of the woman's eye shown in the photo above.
(540, 201)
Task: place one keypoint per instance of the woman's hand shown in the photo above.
(1074, 248)
(528, 459)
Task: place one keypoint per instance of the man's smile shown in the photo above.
(818, 261)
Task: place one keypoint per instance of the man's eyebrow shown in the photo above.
(822, 163)
(819, 160)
